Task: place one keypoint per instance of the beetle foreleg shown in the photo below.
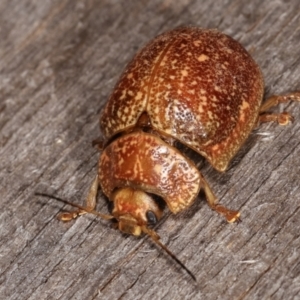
(90, 203)
(230, 215)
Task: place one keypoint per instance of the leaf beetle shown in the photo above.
(197, 87)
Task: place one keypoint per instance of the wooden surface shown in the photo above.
(59, 61)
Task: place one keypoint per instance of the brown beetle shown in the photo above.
(194, 86)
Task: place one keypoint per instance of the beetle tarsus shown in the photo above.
(68, 216)
(230, 215)
(282, 119)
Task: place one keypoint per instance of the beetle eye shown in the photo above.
(151, 217)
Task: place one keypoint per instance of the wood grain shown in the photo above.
(59, 60)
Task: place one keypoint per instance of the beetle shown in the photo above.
(189, 86)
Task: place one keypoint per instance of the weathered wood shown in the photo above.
(59, 61)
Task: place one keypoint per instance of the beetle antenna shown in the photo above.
(155, 238)
(103, 216)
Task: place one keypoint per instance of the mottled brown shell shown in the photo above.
(198, 86)
(143, 161)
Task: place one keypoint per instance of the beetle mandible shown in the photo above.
(198, 87)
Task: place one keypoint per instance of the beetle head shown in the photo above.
(134, 210)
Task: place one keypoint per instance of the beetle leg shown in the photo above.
(90, 203)
(230, 215)
(277, 99)
(91, 197)
(281, 118)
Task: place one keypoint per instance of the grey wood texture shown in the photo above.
(59, 61)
